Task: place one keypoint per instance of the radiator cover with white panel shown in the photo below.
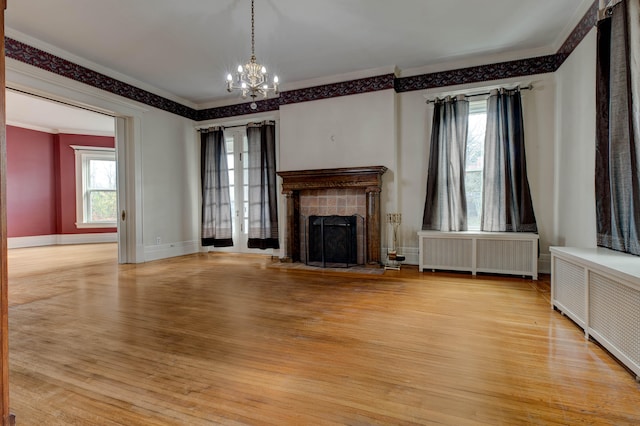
(599, 289)
(513, 253)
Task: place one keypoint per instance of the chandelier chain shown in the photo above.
(253, 42)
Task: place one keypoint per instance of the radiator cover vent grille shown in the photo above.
(505, 255)
(614, 315)
(449, 253)
(493, 252)
(569, 292)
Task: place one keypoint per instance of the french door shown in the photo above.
(237, 161)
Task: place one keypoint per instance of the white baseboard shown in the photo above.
(61, 239)
(411, 255)
(164, 251)
(544, 264)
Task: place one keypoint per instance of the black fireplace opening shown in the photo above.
(333, 240)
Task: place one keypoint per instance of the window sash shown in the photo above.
(84, 209)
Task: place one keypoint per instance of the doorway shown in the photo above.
(85, 207)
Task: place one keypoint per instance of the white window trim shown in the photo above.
(83, 153)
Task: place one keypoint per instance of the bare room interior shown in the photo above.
(250, 212)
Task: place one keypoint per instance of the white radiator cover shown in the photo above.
(514, 253)
(599, 289)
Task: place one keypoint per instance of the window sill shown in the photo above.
(96, 225)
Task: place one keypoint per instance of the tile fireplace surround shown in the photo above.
(343, 191)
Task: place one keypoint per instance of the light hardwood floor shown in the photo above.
(227, 339)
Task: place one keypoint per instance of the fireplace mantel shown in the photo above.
(369, 179)
(352, 177)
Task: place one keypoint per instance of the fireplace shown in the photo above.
(328, 192)
(332, 241)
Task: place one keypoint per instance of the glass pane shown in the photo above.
(102, 174)
(103, 206)
(232, 178)
(474, 167)
(229, 143)
(230, 164)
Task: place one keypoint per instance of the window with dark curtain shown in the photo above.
(506, 204)
(216, 205)
(263, 207)
(506, 198)
(445, 207)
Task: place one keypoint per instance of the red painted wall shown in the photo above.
(31, 178)
(41, 181)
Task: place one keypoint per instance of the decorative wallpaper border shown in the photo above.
(345, 88)
(530, 66)
(271, 104)
(38, 58)
(521, 67)
(588, 21)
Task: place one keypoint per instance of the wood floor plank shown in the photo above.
(228, 339)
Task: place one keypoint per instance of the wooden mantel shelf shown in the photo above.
(369, 179)
(352, 177)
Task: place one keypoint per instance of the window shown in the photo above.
(475, 162)
(96, 196)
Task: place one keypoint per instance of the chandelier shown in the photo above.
(252, 79)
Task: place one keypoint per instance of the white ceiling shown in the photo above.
(183, 49)
(35, 113)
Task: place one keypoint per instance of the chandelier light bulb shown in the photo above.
(275, 79)
(264, 70)
(265, 87)
(240, 68)
(229, 77)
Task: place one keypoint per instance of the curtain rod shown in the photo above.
(237, 125)
(527, 87)
(221, 127)
(605, 11)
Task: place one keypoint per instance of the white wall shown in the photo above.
(171, 184)
(348, 131)
(414, 132)
(576, 147)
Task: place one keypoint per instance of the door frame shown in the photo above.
(5, 416)
(128, 132)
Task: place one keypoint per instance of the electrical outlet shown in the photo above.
(158, 241)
